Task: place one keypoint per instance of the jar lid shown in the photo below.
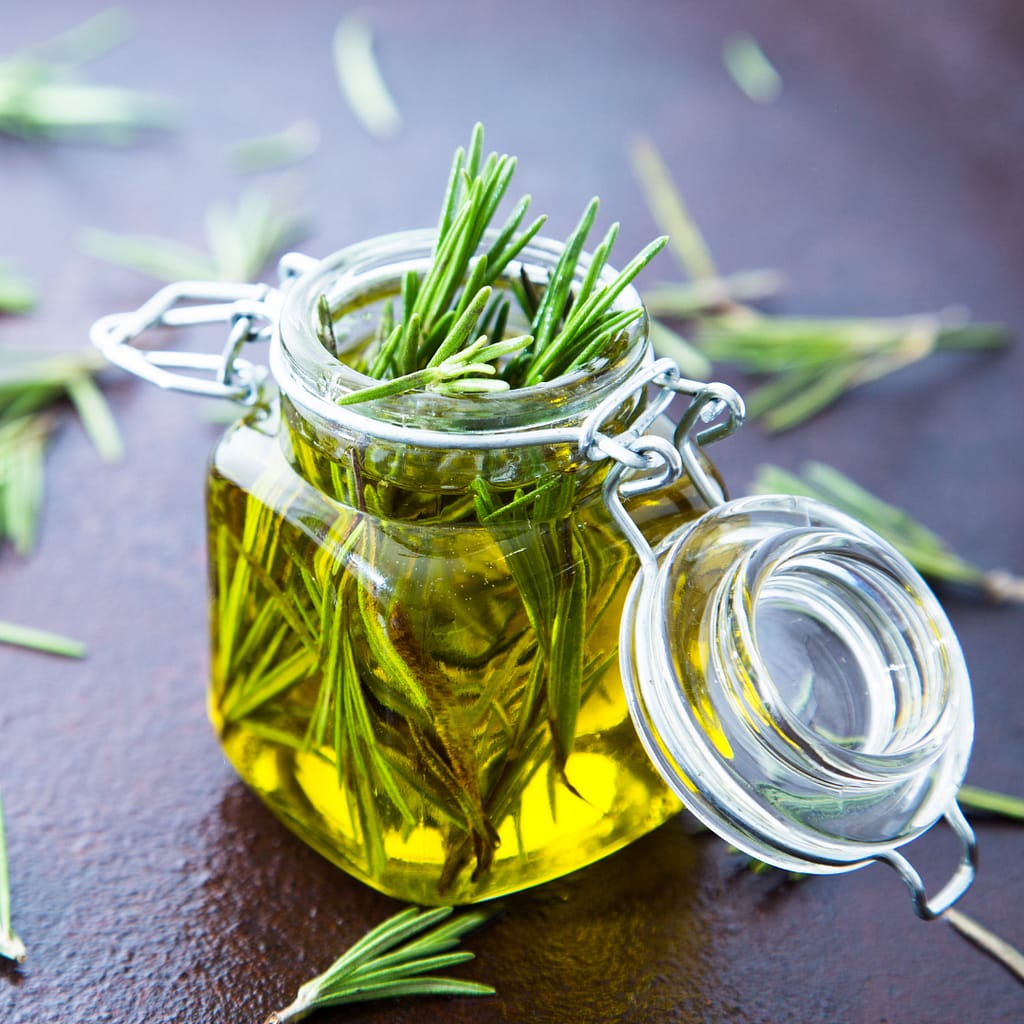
(797, 684)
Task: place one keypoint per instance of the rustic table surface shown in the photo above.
(148, 883)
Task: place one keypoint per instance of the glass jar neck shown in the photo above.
(511, 438)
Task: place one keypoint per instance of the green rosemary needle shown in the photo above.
(280, 149)
(974, 798)
(393, 959)
(16, 292)
(750, 69)
(925, 550)
(11, 946)
(241, 240)
(987, 941)
(42, 95)
(360, 78)
(40, 640)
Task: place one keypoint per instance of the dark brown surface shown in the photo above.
(148, 884)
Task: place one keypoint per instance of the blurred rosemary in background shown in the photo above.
(810, 361)
(43, 94)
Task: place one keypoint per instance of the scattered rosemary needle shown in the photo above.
(11, 946)
(925, 550)
(16, 292)
(360, 78)
(974, 798)
(281, 149)
(42, 95)
(41, 640)
(241, 239)
(987, 941)
(393, 959)
(750, 69)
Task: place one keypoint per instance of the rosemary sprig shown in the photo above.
(42, 94)
(360, 78)
(11, 946)
(393, 959)
(813, 360)
(241, 240)
(31, 385)
(925, 550)
(753, 73)
(449, 313)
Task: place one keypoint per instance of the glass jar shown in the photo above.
(414, 648)
(462, 645)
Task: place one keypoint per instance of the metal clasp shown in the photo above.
(250, 309)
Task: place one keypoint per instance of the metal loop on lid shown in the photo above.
(189, 303)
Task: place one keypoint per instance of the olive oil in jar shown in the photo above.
(430, 697)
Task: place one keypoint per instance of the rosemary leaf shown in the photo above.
(16, 292)
(392, 960)
(242, 239)
(42, 95)
(691, 361)
(670, 212)
(987, 941)
(360, 78)
(925, 550)
(41, 640)
(96, 417)
(11, 946)
(750, 69)
(975, 798)
(690, 299)
(280, 149)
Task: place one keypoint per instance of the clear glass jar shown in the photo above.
(465, 645)
(415, 648)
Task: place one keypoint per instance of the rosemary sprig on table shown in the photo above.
(396, 958)
(449, 313)
(11, 946)
(925, 550)
(812, 360)
(42, 94)
(241, 241)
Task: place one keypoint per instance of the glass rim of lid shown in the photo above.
(737, 743)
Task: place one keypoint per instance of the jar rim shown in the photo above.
(313, 379)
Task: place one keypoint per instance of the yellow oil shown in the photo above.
(381, 682)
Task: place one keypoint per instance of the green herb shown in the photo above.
(987, 941)
(241, 240)
(812, 360)
(31, 385)
(974, 798)
(40, 640)
(925, 550)
(449, 315)
(394, 959)
(281, 149)
(360, 78)
(750, 69)
(11, 946)
(16, 292)
(42, 95)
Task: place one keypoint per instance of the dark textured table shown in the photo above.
(148, 883)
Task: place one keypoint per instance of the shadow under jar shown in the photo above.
(415, 646)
